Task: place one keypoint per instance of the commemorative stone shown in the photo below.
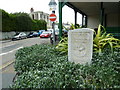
(80, 45)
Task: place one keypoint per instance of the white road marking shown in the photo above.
(51, 17)
(11, 51)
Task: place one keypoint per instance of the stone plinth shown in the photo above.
(80, 45)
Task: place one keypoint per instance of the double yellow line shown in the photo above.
(6, 64)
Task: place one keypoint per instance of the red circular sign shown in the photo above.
(52, 17)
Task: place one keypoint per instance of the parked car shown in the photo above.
(40, 32)
(35, 34)
(65, 33)
(30, 35)
(45, 34)
(19, 35)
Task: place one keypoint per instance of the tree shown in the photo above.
(20, 22)
(5, 21)
(39, 25)
(23, 22)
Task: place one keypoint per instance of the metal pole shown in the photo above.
(53, 27)
(75, 17)
(86, 21)
(82, 20)
(60, 20)
(102, 14)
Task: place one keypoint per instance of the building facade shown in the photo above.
(39, 15)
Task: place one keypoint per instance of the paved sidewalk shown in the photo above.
(4, 41)
(7, 76)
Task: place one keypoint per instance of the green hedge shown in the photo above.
(20, 22)
(41, 66)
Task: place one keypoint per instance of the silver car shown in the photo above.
(20, 35)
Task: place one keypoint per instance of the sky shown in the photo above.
(12, 6)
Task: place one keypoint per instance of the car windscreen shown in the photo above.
(30, 33)
(16, 34)
(45, 33)
(35, 33)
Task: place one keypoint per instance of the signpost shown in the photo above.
(52, 18)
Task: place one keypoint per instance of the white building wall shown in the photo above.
(31, 15)
(93, 21)
(112, 20)
(46, 18)
(41, 15)
(38, 16)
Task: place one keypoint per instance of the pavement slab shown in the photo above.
(8, 74)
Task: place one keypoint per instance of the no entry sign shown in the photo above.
(52, 17)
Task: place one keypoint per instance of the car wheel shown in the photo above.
(13, 39)
(20, 38)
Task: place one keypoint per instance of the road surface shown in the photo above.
(8, 56)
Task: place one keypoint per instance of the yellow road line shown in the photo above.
(5, 65)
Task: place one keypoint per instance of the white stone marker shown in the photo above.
(80, 45)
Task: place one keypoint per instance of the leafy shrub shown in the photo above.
(29, 57)
(103, 40)
(63, 46)
(105, 69)
(41, 66)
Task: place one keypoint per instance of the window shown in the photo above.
(32, 16)
(40, 15)
(44, 17)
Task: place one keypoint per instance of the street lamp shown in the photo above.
(52, 4)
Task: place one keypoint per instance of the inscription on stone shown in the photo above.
(80, 44)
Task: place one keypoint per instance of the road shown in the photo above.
(8, 56)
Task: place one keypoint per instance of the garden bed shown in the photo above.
(42, 66)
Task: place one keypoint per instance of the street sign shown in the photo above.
(52, 17)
